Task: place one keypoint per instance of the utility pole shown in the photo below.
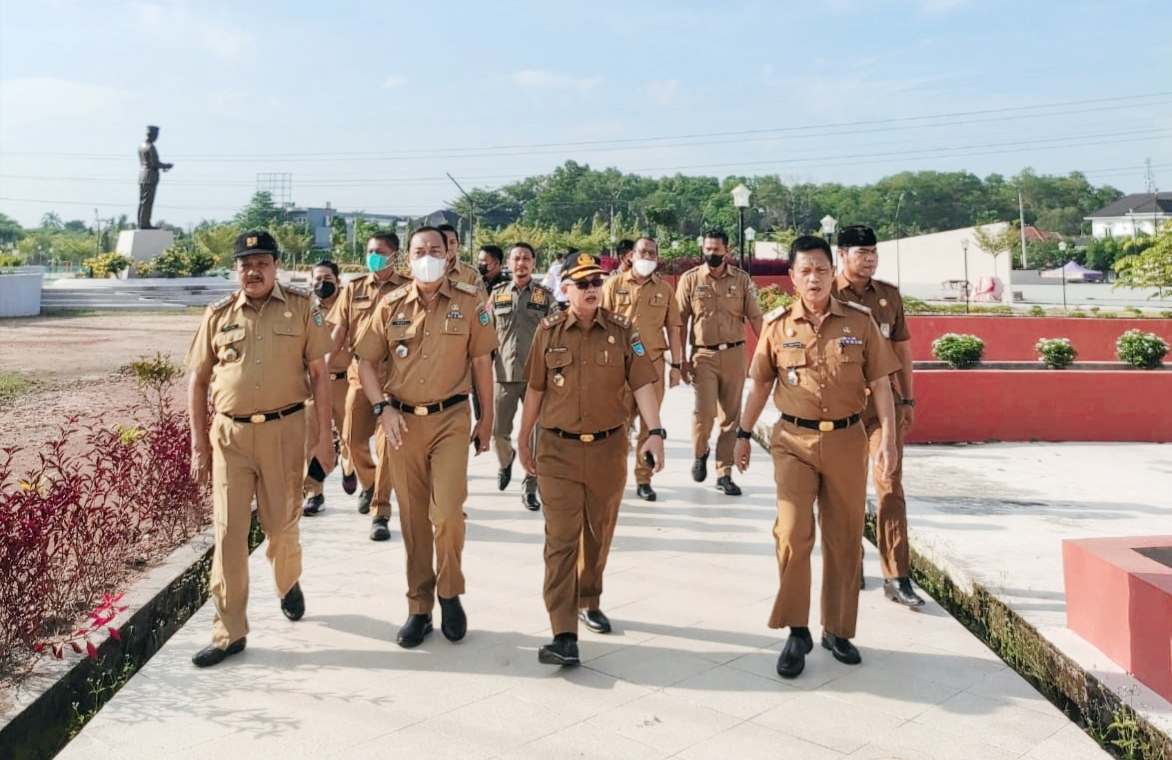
(898, 205)
(1021, 224)
(471, 211)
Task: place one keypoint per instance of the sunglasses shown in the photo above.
(587, 284)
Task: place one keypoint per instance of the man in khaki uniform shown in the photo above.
(858, 255)
(436, 338)
(582, 362)
(458, 270)
(822, 355)
(643, 297)
(262, 352)
(717, 297)
(518, 306)
(324, 281)
(348, 317)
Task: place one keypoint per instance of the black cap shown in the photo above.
(255, 241)
(579, 266)
(856, 234)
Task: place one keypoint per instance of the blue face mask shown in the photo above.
(376, 261)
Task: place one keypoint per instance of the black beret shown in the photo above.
(255, 241)
(856, 234)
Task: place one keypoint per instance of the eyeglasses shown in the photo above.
(587, 284)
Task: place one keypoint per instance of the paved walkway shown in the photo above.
(689, 671)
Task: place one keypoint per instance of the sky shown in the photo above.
(369, 104)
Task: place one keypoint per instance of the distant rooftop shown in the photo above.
(1139, 203)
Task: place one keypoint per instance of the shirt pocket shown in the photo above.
(609, 357)
(790, 357)
(227, 345)
(289, 328)
(455, 327)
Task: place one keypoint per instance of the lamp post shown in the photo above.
(964, 244)
(1062, 247)
(740, 195)
(829, 225)
(750, 234)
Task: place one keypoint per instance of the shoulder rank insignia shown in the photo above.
(553, 319)
(776, 314)
(221, 302)
(464, 287)
(297, 290)
(399, 293)
(618, 319)
(857, 306)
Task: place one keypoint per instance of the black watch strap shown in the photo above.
(379, 406)
(908, 401)
(662, 433)
(742, 433)
(676, 365)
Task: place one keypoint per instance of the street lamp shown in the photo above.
(829, 224)
(964, 244)
(740, 195)
(1062, 247)
(750, 234)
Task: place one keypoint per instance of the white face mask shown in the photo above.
(644, 267)
(428, 269)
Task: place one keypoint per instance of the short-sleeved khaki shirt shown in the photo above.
(821, 374)
(259, 357)
(885, 303)
(357, 300)
(517, 311)
(583, 372)
(339, 360)
(717, 306)
(470, 275)
(428, 347)
(651, 307)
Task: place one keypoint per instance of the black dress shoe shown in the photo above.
(725, 484)
(364, 500)
(350, 482)
(899, 590)
(595, 620)
(209, 656)
(644, 491)
(293, 604)
(454, 623)
(842, 649)
(531, 502)
(313, 505)
(379, 530)
(414, 631)
(562, 651)
(792, 661)
(700, 469)
(505, 474)
(862, 578)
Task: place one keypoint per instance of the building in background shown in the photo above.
(1138, 214)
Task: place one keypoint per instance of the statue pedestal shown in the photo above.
(142, 245)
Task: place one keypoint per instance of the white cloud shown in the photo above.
(173, 21)
(554, 80)
(394, 81)
(32, 100)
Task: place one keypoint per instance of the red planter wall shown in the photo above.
(1046, 405)
(1012, 339)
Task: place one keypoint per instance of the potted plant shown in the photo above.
(960, 351)
(1140, 349)
(1056, 353)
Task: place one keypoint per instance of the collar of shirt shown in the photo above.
(841, 283)
(445, 290)
(572, 320)
(708, 271)
(277, 294)
(836, 308)
(630, 277)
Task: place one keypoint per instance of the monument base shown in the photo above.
(143, 245)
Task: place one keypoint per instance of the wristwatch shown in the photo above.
(745, 434)
(379, 406)
(676, 365)
(662, 433)
(908, 401)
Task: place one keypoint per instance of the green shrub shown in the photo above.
(913, 305)
(960, 351)
(106, 264)
(182, 259)
(772, 296)
(1056, 353)
(1166, 314)
(11, 260)
(1145, 350)
(1037, 311)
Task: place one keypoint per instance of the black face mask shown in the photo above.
(715, 260)
(325, 289)
(483, 269)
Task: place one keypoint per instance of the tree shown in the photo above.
(996, 242)
(10, 230)
(260, 213)
(295, 240)
(1151, 268)
(217, 240)
(52, 221)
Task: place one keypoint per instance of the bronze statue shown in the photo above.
(148, 177)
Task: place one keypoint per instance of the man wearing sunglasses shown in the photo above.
(582, 361)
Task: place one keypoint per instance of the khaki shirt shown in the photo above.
(259, 357)
(651, 307)
(461, 272)
(884, 301)
(339, 360)
(517, 312)
(595, 367)
(439, 341)
(822, 374)
(718, 307)
(357, 300)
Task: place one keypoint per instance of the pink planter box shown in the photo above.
(1012, 339)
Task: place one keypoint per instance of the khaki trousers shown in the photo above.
(832, 469)
(891, 514)
(642, 471)
(265, 462)
(338, 389)
(431, 478)
(356, 432)
(505, 399)
(581, 485)
(719, 379)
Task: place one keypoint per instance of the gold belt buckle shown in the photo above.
(825, 426)
(586, 438)
(421, 411)
(256, 419)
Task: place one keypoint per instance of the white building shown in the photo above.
(1139, 214)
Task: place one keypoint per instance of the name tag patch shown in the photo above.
(850, 340)
(792, 344)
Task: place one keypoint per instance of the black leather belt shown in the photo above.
(723, 346)
(338, 375)
(824, 425)
(426, 409)
(584, 437)
(260, 417)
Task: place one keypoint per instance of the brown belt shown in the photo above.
(584, 437)
(261, 417)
